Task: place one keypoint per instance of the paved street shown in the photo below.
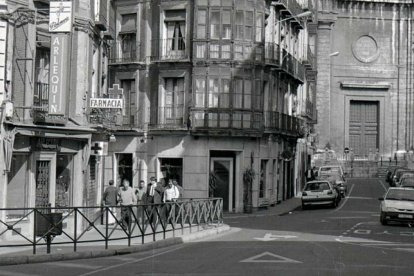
(348, 240)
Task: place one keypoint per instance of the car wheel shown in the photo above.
(383, 220)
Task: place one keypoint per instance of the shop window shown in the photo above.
(124, 164)
(18, 186)
(172, 168)
(63, 190)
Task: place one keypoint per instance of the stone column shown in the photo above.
(323, 84)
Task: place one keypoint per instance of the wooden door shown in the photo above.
(363, 127)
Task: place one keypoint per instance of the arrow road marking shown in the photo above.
(274, 259)
(270, 237)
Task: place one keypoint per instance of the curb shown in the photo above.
(30, 259)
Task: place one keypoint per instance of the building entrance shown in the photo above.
(363, 127)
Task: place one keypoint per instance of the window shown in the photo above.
(248, 26)
(214, 51)
(128, 112)
(41, 93)
(172, 101)
(242, 96)
(226, 24)
(213, 92)
(63, 189)
(259, 27)
(239, 24)
(257, 101)
(175, 43)
(128, 37)
(128, 47)
(200, 90)
(18, 186)
(215, 24)
(201, 23)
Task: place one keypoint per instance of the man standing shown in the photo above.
(171, 194)
(110, 199)
(127, 198)
(140, 193)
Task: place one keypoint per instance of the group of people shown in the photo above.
(127, 196)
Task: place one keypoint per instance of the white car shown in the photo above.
(331, 169)
(397, 205)
(319, 192)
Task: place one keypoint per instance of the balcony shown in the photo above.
(225, 121)
(293, 67)
(309, 61)
(40, 107)
(122, 54)
(171, 49)
(272, 54)
(281, 123)
(292, 6)
(168, 118)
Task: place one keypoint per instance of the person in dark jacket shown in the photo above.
(109, 199)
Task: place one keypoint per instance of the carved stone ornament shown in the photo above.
(365, 49)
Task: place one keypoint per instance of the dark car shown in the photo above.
(390, 173)
(397, 176)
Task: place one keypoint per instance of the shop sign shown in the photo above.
(47, 144)
(106, 103)
(58, 73)
(60, 17)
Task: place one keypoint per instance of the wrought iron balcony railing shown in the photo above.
(292, 5)
(41, 97)
(292, 66)
(120, 54)
(171, 117)
(309, 61)
(226, 119)
(272, 53)
(279, 122)
(170, 49)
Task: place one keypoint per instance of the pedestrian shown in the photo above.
(171, 194)
(180, 189)
(140, 193)
(127, 199)
(110, 200)
(151, 190)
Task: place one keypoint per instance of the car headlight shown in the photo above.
(389, 209)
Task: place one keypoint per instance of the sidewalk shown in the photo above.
(279, 209)
(23, 255)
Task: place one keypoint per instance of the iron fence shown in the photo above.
(101, 225)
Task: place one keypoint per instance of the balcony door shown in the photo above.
(174, 44)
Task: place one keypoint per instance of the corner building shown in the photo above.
(212, 88)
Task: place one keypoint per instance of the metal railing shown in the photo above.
(276, 121)
(41, 97)
(226, 119)
(168, 117)
(99, 225)
(272, 53)
(121, 55)
(170, 49)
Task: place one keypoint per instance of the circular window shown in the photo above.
(365, 49)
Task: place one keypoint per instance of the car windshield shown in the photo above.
(317, 186)
(331, 177)
(330, 170)
(405, 195)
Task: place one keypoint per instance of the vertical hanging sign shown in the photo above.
(60, 23)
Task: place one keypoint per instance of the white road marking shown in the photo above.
(382, 184)
(131, 262)
(345, 200)
(270, 237)
(275, 259)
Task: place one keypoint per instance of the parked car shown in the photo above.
(397, 205)
(407, 181)
(397, 176)
(319, 192)
(331, 169)
(405, 175)
(338, 182)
